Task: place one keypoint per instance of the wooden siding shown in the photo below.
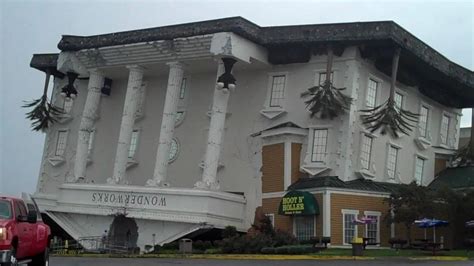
(360, 203)
(295, 161)
(273, 163)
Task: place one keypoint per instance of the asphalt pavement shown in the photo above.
(78, 261)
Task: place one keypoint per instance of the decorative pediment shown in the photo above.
(272, 113)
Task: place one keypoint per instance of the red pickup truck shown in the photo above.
(24, 238)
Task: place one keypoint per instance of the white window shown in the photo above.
(174, 149)
(398, 100)
(61, 143)
(366, 151)
(419, 166)
(278, 91)
(372, 230)
(91, 142)
(271, 216)
(444, 129)
(133, 144)
(392, 158)
(182, 91)
(320, 137)
(179, 117)
(371, 93)
(67, 105)
(349, 228)
(322, 77)
(423, 120)
(304, 227)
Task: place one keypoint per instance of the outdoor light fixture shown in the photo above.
(69, 91)
(227, 81)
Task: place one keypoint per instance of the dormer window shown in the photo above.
(398, 100)
(366, 152)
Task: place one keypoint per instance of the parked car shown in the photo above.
(24, 238)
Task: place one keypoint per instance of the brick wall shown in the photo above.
(282, 222)
(273, 167)
(360, 203)
(295, 161)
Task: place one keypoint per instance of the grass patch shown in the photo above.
(394, 253)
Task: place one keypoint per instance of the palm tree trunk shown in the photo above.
(471, 143)
(46, 83)
(329, 64)
(396, 58)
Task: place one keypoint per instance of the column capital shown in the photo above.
(135, 68)
(175, 64)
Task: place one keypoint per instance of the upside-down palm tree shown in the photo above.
(44, 112)
(326, 100)
(388, 117)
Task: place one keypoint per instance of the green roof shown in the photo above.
(335, 182)
(455, 178)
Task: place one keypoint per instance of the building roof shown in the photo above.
(436, 76)
(335, 182)
(455, 178)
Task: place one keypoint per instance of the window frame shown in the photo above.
(283, 91)
(178, 146)
(397, 149)
(295, 231)
(58, 134)
(446, 137)
(271, 216)
(424, 134)
(348, 212)
(424, 159)
(323, 72)
(313, 138)
(378, 215)
(377, 91)
(136, 145)
(371, 137)
(67, 99)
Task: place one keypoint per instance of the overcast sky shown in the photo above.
(29, 27)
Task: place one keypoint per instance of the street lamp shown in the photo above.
(69, 91)
(226, 81)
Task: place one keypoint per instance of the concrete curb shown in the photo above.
(263, 257)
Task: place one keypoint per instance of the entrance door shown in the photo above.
(123, 232)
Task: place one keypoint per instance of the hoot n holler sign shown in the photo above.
(298, 203)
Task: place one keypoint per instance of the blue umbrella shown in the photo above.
(427, 223)
(470, 224)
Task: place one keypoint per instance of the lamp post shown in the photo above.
(69, 91)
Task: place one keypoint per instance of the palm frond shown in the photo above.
(326, 100)
(389, 118)
(43, 113)
(464, 156)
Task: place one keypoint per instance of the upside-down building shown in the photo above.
(183, 128)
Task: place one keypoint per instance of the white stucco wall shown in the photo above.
(241, 154)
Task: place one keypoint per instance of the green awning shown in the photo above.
(298, 203)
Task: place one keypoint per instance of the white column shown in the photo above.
(287, 166)
(175, 79)
(126, 128)
(89, 115)
(216, 134)
(327, 214)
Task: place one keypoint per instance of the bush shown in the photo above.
(283, 238)
(268, 250)
(202, 245)
(294, 249)
(229, 232)
(245, 244)
(213, 251)
(171, 245)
